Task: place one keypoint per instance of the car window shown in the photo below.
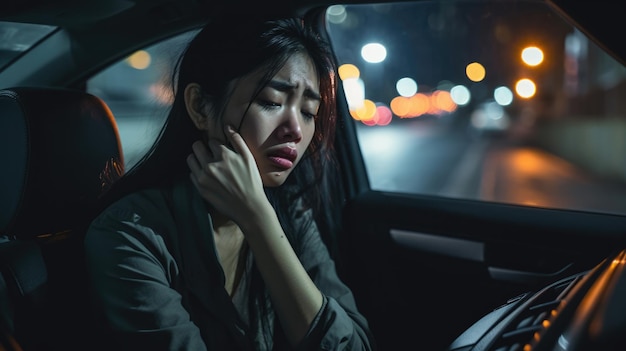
(138, 91)
(458, 100)
(17, 38)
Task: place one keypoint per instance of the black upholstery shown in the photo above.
(58, 146)
(60, 149)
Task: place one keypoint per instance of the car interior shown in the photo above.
(429, 271)
(67, 139)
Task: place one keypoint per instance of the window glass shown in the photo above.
(138, 91)
(498, 101)
(17, 38)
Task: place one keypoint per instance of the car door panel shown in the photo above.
(416, 260)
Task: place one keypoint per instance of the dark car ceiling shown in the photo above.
(600, 20)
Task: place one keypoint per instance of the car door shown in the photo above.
(487, 189)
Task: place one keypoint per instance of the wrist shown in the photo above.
(261, 215)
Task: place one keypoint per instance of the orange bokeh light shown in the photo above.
(400, 106)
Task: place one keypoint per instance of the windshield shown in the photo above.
(490, 101)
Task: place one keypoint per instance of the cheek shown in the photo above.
(253, 134)
(308, 131)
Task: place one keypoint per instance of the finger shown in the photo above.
(237, 141)
(215, 149)
(193, 164)
(201, 152)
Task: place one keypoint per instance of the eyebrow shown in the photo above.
(286, 86)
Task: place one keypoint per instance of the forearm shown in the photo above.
(296, 298)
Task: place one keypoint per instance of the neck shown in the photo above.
(219, 220)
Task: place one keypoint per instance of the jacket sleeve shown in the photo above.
(131, 273)
(338, 325)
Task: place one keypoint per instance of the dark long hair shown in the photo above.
(223, 50)
(226, 49)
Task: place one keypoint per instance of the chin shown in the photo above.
(274, 179)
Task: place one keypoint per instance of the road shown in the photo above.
(455, 163)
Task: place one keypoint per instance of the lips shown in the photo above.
(283, 157)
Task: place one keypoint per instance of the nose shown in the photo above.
(289, 129)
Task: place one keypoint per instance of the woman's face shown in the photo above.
(280, 122)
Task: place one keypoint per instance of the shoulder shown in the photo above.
(143, 203)
(151, 215)
(143, 216)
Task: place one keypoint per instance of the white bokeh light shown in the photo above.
(525, 88)
(503, 96)
(406, 87)
(336, 14)
(373, 52)
(460, 95)
(355, 92)
(532, 55)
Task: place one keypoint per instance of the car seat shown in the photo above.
(60, 150)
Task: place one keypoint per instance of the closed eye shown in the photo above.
(267, 104)
(309, 115)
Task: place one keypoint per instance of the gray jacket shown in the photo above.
(159, 285)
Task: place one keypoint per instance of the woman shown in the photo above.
(220, 249)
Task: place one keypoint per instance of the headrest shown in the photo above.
(60, 148)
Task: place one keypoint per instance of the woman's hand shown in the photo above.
(228, 179)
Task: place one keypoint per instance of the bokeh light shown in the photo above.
(419, 105)
(460, 95)
(347, 71)
(532, 56)
(503, 96)
(475, 72)
(525, 88)
(365, 113)
(374, 52)
(336, 14)
(384, 115)
(139, 60)
(406, 86)
(354, 88)
(442, 100)
(490, 115)
(400, 106)
(445, 85)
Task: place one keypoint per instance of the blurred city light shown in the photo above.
(139, 60)
(460, 95)
(373, 52)
(384, 115)
(532, 56)
(442, 100)
(445, 85)
(347, 71)
(366, 112)
(406, 86)
(475, 72)
(336, 14)
(420, 104)
(490, 116)
(525, 88)
(503, 96)
(400, 106)
(355, 92)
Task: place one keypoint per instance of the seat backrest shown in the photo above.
(61, 148)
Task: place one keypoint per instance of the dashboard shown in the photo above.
(585, 311)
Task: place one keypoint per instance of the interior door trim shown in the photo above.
(454, 247)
